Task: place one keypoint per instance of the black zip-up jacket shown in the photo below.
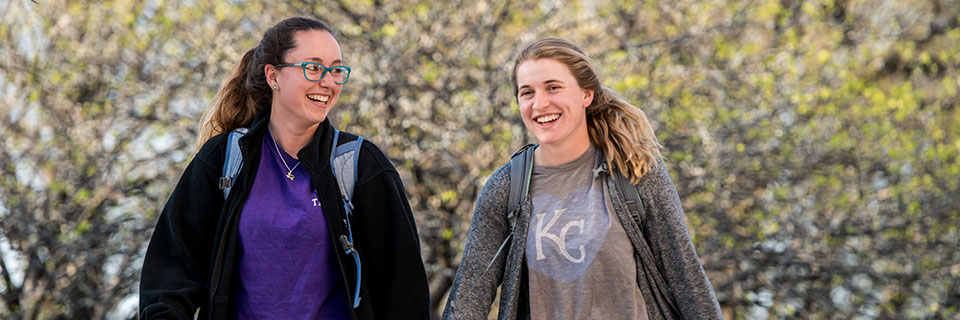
(191, 259)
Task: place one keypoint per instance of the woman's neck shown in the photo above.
(554, 155)
(291, 138)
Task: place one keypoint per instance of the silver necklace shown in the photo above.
(289, 169)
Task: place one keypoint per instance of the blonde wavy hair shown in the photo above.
(620, 129)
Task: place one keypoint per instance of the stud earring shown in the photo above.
(274, 87)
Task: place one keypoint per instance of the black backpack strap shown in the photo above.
(521, 168)
(631, 198)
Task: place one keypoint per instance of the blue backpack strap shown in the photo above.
(356, 158)
(343, 160)
(233, 161)
(521, 169)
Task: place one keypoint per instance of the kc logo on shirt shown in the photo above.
(565, 234)
(542, 231)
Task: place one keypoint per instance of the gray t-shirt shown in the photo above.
(580, 261)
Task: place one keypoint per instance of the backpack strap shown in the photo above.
(521, 169)
(233, 161)
(631, 198)
(343, 160)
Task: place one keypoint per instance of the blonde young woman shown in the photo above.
(277, 247)
(575, 251)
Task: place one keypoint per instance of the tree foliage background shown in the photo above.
(814, 143)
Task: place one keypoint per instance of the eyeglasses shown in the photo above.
(315, 72)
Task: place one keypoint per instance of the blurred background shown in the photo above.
(814, 143)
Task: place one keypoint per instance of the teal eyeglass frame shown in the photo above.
(303, 65)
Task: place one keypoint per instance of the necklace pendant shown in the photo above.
(290, 176)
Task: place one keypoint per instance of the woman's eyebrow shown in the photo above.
(316, 59)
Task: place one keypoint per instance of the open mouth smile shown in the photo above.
(318, 98)
(545, 119)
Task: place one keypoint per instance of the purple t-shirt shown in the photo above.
(287, 266)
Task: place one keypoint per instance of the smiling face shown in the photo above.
(553, 105)
(297, 102)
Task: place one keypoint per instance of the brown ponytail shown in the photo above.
(618, 128)
(233, 106)
(246, 92)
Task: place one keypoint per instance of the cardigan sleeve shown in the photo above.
(475, 286)
(672, 247)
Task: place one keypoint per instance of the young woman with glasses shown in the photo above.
(575, 249)
(275, 247)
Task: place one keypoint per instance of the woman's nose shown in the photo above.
(327, 80)
(540, 101)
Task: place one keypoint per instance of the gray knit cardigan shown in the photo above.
(475, 285)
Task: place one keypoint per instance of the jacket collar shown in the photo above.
(318, 150)
(313, 155)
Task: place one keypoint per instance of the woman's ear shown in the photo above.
(587, 97)
(271, 73)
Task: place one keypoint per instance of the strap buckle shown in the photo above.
(226, 182)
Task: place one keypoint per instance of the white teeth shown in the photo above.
(319, 98)
(548, 118)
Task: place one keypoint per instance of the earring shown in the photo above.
(274, 87)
